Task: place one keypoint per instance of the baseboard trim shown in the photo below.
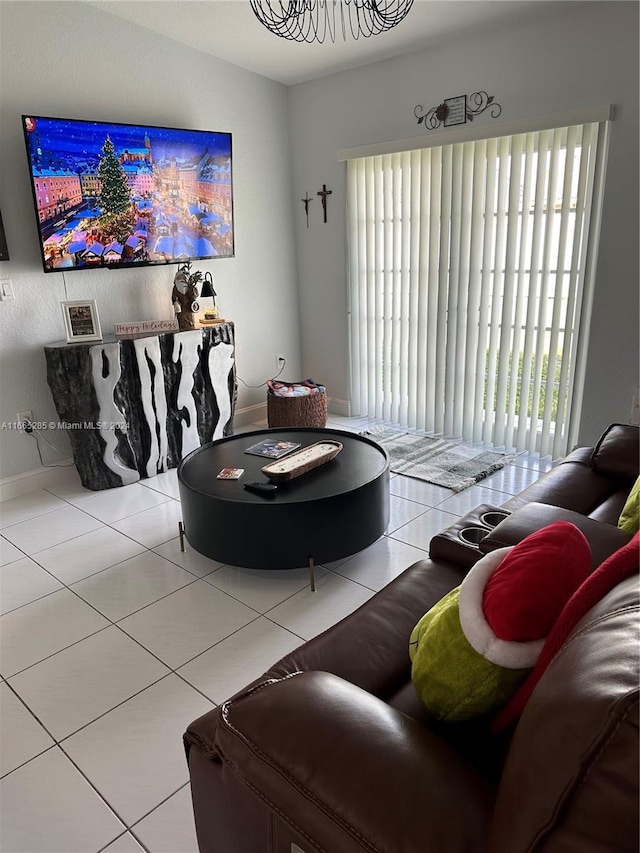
(339, 407)
(30, 481)
(42, 478)
(250, 414)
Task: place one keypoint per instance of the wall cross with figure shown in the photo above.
(324, 192)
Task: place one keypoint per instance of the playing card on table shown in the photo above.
(230, 474)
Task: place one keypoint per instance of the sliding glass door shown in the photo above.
(471, 270)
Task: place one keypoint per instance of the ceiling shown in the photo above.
(229, 30)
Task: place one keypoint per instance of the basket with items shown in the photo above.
(296, 404)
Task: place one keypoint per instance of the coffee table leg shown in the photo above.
(312, 575)
(181, 532)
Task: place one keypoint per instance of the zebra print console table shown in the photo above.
(134, 407)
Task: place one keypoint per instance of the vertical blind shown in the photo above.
(470, 269)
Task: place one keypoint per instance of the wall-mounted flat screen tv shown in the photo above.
(123, 195)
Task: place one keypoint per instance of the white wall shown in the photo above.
(583, 57)
(74, 61)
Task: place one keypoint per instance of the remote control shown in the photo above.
(264, 489)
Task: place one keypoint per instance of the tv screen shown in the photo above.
(122, 195)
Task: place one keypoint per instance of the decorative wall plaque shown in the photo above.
(457, 110)
(139, 327)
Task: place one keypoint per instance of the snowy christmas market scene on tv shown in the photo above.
(122, 195)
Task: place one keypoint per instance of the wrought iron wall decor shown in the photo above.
(457, 110)
(302, 20)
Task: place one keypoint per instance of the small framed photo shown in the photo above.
(81, 321)
(457, 110)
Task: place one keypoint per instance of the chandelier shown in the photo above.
(314, 20)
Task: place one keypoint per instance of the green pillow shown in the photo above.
(629, 520)
(454, 680)
(471, 651)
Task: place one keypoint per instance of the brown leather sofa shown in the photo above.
(331, 751)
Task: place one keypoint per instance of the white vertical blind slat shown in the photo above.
(462, 300)
(434, 403)
(558, 318)
(442, 401)
(411, 232)
(497, 266)
(471, 375)
(523, 435)
(537, 438)
(516, 400)
(425, 328)
(485, 290)
(378, 318)
(372, 288)
(453, 291)
(407, 265)
(512, 224)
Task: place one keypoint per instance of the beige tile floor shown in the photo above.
(112, 640)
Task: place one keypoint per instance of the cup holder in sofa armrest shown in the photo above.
(494, 517)
(603, 538)
(472, 535)
(459, 543)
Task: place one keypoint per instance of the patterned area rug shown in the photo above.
(452, 464)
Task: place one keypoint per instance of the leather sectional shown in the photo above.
(331, 751)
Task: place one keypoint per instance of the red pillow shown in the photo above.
(528, 590)
(620, 565)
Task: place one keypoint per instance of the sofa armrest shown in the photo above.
(603, 538)
(369, 647)
(346, 771)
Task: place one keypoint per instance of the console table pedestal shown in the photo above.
(134, 407)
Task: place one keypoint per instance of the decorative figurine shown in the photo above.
(184, 296)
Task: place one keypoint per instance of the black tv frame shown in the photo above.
(134, 263)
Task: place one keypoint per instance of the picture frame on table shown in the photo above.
(81, 321)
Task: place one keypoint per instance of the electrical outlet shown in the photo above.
(280, 361)
(25, 417)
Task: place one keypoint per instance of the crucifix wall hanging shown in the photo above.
(324, 192)
(306, 201)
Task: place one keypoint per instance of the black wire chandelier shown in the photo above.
(315, 20)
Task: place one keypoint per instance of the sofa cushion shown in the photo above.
(617, 453)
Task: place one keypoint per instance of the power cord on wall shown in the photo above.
(262, 384)
(35, 434)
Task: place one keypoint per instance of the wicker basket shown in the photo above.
(307, 411)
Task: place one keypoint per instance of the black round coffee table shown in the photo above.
(328, 513)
